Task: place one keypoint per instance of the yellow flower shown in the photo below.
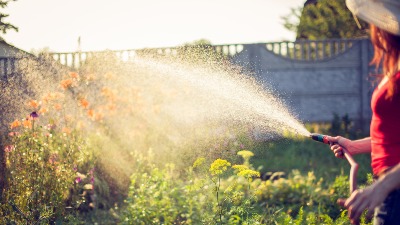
(88, 187)
(249, 173)
(240, 168)
(199, 162)
(219, 166)
(245, 154)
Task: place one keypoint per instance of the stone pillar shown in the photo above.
(365, 98)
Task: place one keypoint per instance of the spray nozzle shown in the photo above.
(319, 137)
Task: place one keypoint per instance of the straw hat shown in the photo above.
(384, 14)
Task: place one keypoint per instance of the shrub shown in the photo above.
(44, 173)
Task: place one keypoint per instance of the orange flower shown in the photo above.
(43, 110)
(90, 113)
(74, 75)
(33, 103)
(109, 75)
(111, 107)
(90, 77)
(66, 130)
(84, 103)
(80, 125)
(58, 107)
(27, 123)
(15, 124)
(65, 84)
(107, 92)
(68, 118)
(98, 116)
(48, 97)
(52, 96)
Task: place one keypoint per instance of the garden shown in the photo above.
(117, 143)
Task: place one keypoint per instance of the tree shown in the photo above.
(324, 19)
(4, 26)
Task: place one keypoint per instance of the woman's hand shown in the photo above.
(364, 199)
(338, 144)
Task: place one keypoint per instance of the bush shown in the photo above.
(216, 194)
(45, 178)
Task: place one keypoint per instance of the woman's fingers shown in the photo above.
(333, 139)
(357, 208)
(337, 150)
(359, 201)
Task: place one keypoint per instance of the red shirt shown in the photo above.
(385, 128)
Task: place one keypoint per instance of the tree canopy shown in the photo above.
(5, 26)
(324, 19)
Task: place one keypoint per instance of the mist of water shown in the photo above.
(170, 107)
(217, 94)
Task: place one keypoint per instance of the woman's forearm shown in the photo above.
(390, 181)
(360, 146)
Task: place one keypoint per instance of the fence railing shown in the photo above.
(302, 50)
(7, 66)
(308, 50)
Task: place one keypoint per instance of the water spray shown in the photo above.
(354, 166)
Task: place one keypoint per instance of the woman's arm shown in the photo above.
(373, 195)
(390, 181)
(354, 147)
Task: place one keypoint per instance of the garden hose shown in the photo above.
(354, 166)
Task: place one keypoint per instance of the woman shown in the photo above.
(384, 141)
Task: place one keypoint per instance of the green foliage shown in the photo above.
(44, 183)
(158, 197)
(161, 196)
(324, 19)
(296, 191)
(343, 126)
(4, 26)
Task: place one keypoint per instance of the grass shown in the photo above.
(305, 155)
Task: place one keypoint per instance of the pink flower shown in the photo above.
(9, 148)
(51, 126)
(12, 134)
(53, 158)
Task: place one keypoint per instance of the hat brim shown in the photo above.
(384, 14)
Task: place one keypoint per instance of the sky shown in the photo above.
(56, 25)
